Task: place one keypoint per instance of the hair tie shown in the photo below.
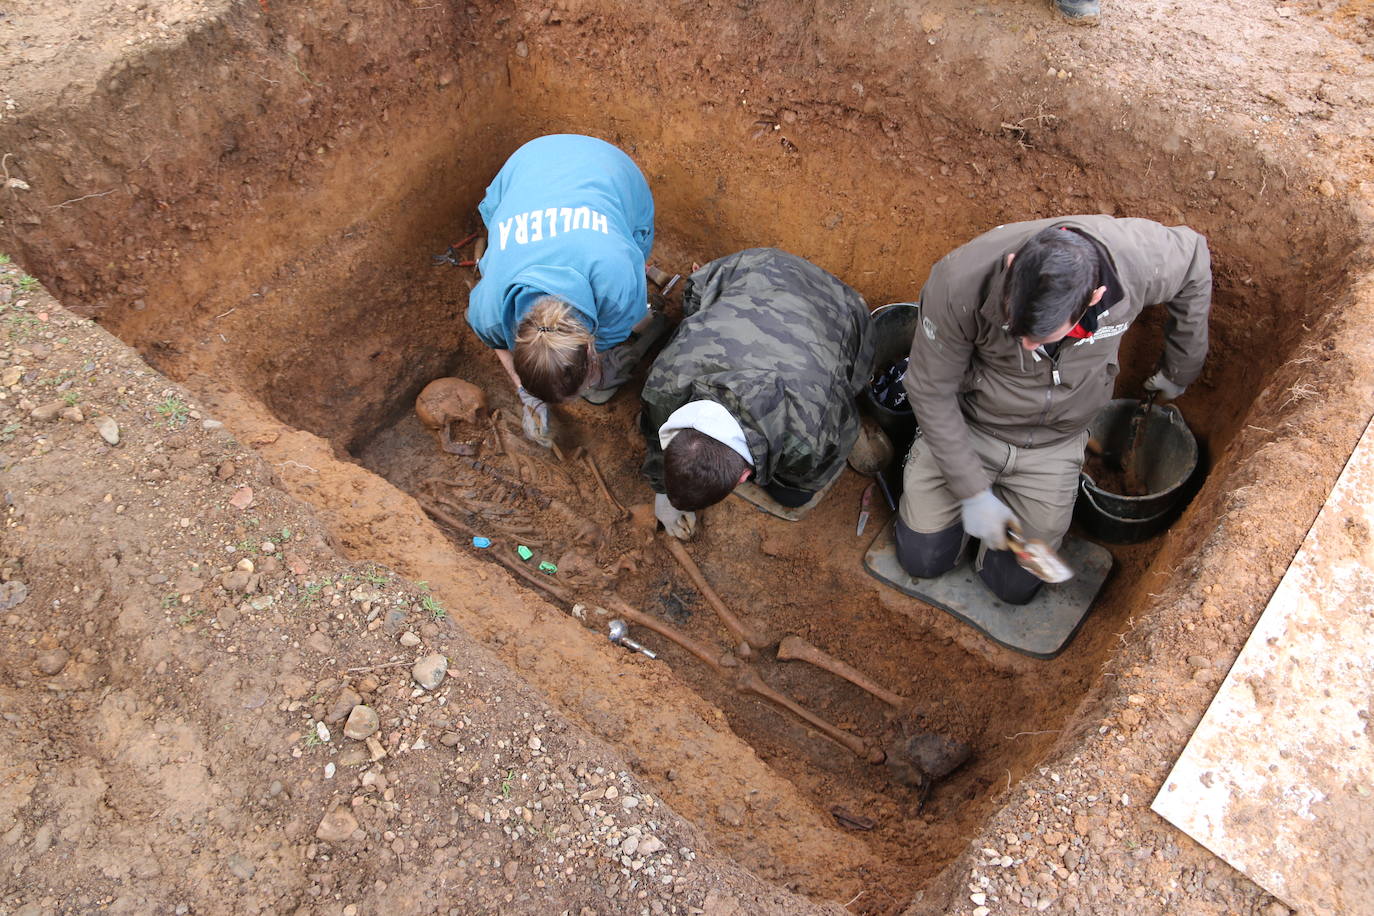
(544, 330)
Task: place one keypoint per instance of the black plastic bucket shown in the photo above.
(893, 326)
(1169, 458)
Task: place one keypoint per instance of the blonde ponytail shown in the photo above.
(552, 350)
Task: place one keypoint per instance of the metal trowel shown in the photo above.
(1037, 557)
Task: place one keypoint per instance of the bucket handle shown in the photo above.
(1088, 494)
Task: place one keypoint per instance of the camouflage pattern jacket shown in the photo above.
(781, 344)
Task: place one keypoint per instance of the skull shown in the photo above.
(446, 401)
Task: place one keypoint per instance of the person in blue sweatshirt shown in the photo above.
(570, 223)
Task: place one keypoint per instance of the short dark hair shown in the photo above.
(699, 471)
(1052, 278)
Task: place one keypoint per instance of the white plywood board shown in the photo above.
(1278, 779)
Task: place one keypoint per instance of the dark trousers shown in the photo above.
(926, 556)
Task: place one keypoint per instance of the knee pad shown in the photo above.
(1008, 581)
(928, 555)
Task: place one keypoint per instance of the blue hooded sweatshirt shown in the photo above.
(571, 217)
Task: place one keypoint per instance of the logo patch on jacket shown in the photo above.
(1103, 332)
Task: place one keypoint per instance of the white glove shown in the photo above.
(986, 518)
(681, 525)
(1168, 390)
(534, 419)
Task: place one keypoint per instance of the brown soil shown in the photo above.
(1109, 476)
(249, 193)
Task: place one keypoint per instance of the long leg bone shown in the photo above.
(747, 639)
(601, 482)
(794, 647)
(747, 680)
(708, 656)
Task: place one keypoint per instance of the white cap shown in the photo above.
(708, 418)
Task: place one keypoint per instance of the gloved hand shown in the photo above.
(986, 518)
(681, 525)
(1167, 390)
(534, 419)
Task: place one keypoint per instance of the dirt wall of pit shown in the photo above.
(194, 196)
(270, 143)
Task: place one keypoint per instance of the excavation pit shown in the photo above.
(284, 274)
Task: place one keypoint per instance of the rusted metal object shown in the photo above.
(846, 818)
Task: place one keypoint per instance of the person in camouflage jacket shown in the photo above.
(759, 381)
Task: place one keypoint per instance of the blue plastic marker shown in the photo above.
(481, 542)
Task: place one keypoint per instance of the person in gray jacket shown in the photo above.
(1015, 355)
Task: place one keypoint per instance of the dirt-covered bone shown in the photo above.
(747, 639)
(795, 648)
(748, 680)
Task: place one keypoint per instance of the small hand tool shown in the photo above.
(451, 256)
(1037, 557)
(620, 635)
(865, 502)
(659, 300)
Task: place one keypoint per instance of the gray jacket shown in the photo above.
(967, 370)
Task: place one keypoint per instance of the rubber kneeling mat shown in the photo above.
(1042, 628)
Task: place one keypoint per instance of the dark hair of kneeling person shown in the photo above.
(703, 471)
(1052, 279)
(699, 471)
